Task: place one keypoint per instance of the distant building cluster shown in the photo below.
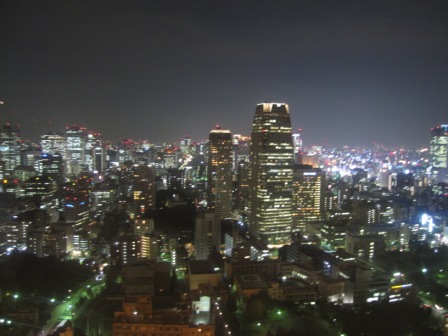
(254, 214)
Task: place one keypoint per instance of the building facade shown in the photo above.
(76, 149)
(220, 164)
(271, 175)
(439, 153)
(308, 196)
(10, 147)
(207, 235)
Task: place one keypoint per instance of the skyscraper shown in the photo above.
(94, 153)
(308, 196)
(271, 175)
(439, 153)
(220, 164)
(54, 143)
(298, 145)
(76, 149)
(10, 147)
(144, 190)
(185, 145)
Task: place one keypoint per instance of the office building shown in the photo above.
(175, 179)
(10, 147)
(185, 145)
(308, 196)
(41, 186)
(241, 149)
(54, 143)
(271, 175)
(220, 164)
(95, 158)
(439, 153)
(23, 173)
(364, 246)
(171, 156)
(298, 146)
(76, 205)
(242, 186)
(29, 154)
(76, 149)
(51, 165)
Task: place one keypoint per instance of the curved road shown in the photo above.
(64, 311)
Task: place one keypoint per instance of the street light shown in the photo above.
(9, 322)
(34, 298)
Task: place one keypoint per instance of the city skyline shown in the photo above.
(352, 75)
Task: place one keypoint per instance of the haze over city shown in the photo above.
(352, 72)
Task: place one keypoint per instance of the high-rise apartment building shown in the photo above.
(10, 147)
(439, 153)
(149, 246)
(207, 235)
(125, 249)
(220, 164)
(271, 175)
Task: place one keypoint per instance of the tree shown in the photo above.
(231, 303)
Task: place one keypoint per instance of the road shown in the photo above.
(65, 311)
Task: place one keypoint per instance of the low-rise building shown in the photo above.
(202, 272)
(248, 285)
(141, 316)
(146, 277)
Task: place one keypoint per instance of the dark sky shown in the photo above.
(352, 72)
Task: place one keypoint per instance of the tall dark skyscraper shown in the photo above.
(220, 164)
(439, 153)
(271, 175)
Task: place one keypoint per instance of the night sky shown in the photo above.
(352, 72)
